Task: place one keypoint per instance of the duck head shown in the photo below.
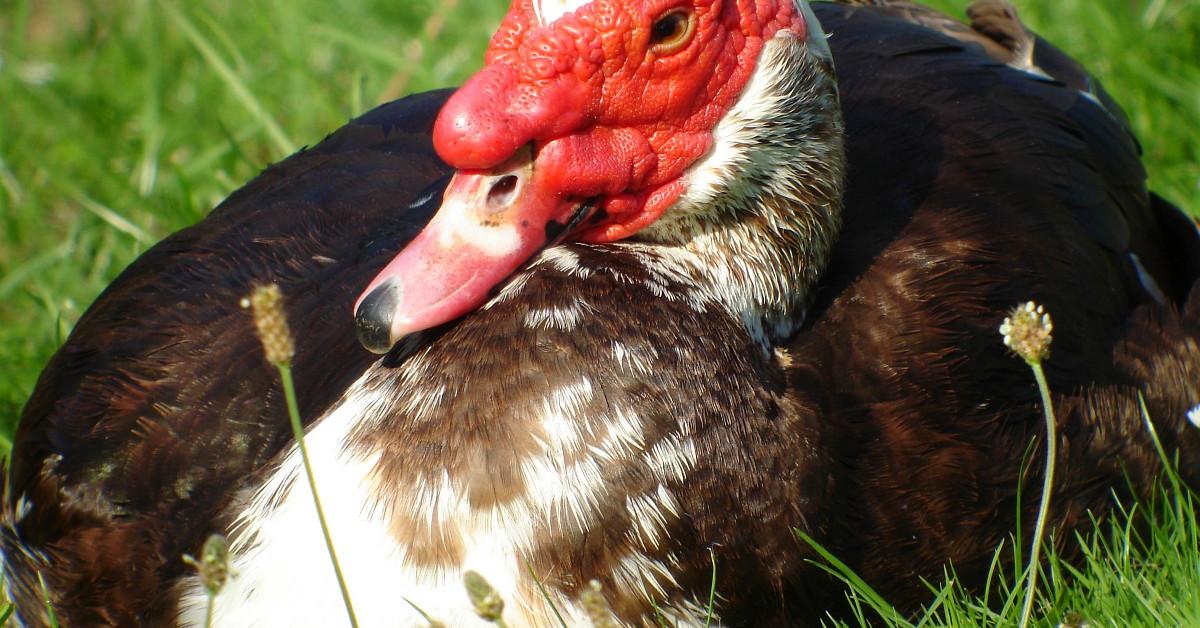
(606, 120)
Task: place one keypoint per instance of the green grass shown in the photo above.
(124, 120)
(1123, 580)
(1139, 568)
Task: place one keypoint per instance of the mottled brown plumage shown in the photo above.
(891, 427)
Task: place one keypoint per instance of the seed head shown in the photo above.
(1026, 331)
(596, 607)
(269, 317)
(213, 565)
(1074, 620)
(488, 604)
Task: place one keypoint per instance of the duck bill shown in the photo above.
(489, 224)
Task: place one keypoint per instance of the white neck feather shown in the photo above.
(763, 208)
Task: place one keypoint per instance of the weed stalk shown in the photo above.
(1027, 331)
(269, 318)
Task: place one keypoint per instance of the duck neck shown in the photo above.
(757, 223)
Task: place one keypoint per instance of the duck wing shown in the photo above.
(160, 402)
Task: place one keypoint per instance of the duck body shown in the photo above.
(605, 415)
(964, 214)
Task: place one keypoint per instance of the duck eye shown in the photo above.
(671, 31)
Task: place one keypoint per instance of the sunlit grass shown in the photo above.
(121, 122)
(1140, 567)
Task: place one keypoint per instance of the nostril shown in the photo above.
(501, 193)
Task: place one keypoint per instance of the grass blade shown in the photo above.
(712, 589)
(860, 587)
(289, 391)
(283, 144)
(545, 595)
(51, 616)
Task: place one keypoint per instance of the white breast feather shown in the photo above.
(282, 575)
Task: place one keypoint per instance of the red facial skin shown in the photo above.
(610, 118)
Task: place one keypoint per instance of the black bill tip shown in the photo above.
(373, 319)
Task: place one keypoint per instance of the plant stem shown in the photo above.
(289, 391)
(545, 594)
(1047, 486)
(51, 616)
(712, 590)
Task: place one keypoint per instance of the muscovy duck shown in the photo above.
(732, 369)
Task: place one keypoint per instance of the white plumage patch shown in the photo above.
(625, 436)
(773, 160)
(712, 176)
(650, 514)
(645, 577)
(550, 10)
(511, 289)
(672, 457)
(562, 318)
(632, 359)
(558, 257)
(24, 505)
(564, 260)
(282, 574)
